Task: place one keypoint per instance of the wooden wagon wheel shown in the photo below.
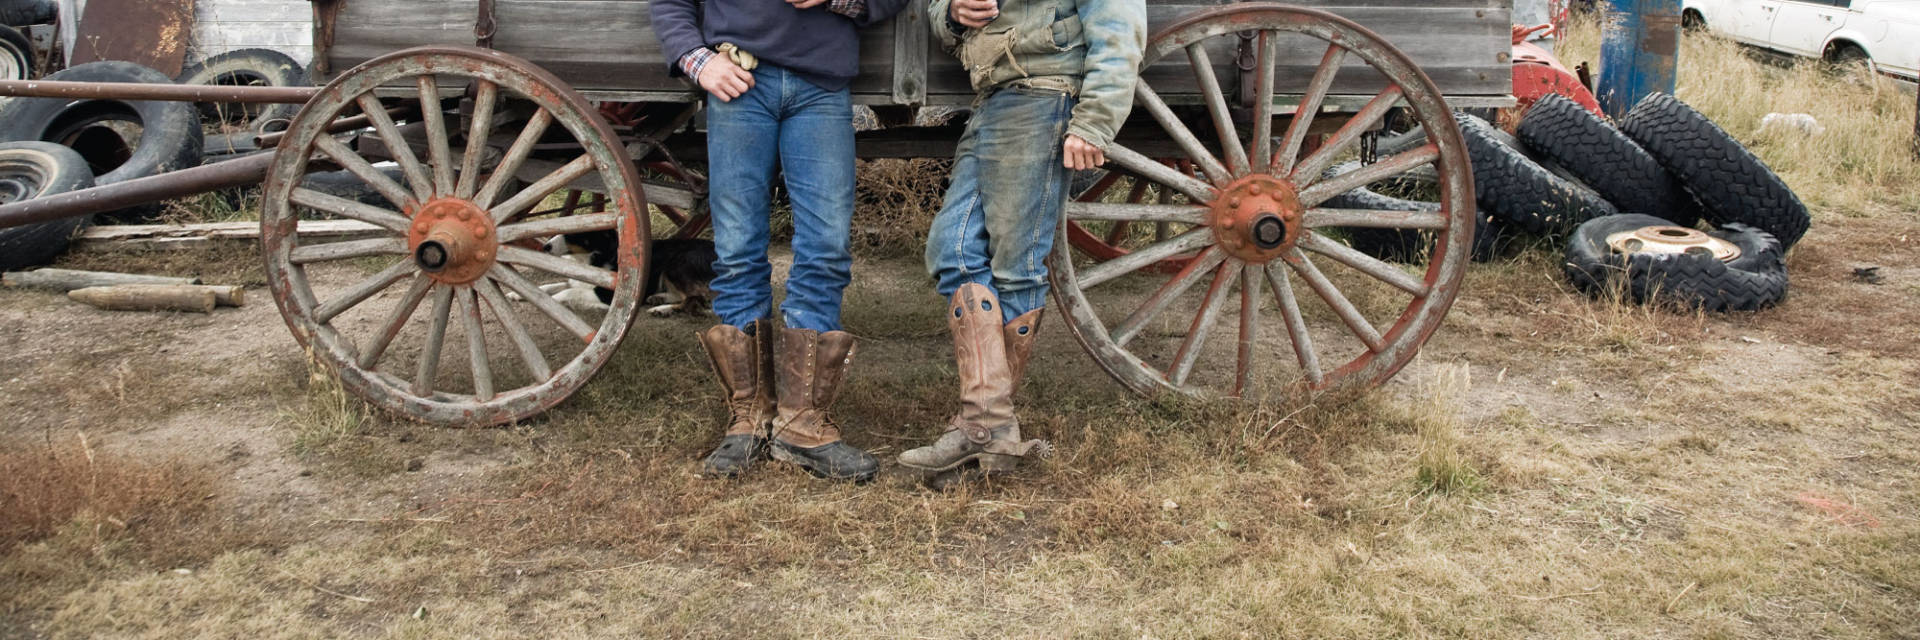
(1257, 225)
(1112, 239)
(453, 237)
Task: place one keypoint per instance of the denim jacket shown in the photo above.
(1090, 47)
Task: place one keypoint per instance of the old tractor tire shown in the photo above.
(1520, 190)
(1569, 135)
(31, 170)
(1731, 183)
(247, 67)
(1405, 245)
(16, 55)
(169, 138)
(1755, 278)
(20, 13)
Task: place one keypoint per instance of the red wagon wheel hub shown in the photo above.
(452, 240)
(1257, 218)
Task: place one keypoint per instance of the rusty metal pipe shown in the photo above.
(177, 184)
(161, 92)
(406, 111)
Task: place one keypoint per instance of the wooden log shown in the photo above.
(70, 279)
(148, 297)
(229, 296)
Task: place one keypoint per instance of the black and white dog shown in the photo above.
(679, 273)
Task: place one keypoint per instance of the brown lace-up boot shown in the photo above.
(991, 358)
(812, 367)
(744, 363)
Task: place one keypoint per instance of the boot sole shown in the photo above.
(758, 454)
(811, 467)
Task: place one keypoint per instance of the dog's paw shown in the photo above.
(584, 300)
(514, 297)
(663, 311)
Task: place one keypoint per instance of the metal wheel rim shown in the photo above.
(24, 175)
(512, 77)
(1453, 227)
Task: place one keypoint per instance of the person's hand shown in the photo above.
(724, 79)
(973, 14)
(805, 4)
(1081, 155)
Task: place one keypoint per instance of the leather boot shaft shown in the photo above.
(980, 355)
(1019, 336)
(742, 363)
(812, 367)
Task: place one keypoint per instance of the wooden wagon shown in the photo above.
(515, 120)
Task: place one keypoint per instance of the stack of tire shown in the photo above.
(1668, 168)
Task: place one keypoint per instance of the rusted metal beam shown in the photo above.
(408, 111)
(213, 177)
(161, 92)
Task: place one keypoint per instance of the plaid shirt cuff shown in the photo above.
(850, 8)
(694, 61)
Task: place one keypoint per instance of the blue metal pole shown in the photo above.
(1639, 51)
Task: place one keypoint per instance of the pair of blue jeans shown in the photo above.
(806, 133)
(1003, 208)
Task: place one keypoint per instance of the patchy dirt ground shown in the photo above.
(1634, 472)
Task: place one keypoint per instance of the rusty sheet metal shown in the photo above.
(162, 92)
(150, 33)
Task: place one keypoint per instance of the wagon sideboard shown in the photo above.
(607, 48)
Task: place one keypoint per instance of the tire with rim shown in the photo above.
(1567, 134)
(1752, 279)
(1520, 190)
(247, 67)
(169, 136)
(16, 55)
(1406, 245)
(31, 170)
(20, 13)
(1731, 183)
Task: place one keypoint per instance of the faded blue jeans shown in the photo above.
(806, 132)
(1008, 193)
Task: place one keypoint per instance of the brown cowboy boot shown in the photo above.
(991, 358)
(744, 363)
(812, 367)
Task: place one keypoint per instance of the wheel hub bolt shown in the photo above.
(1269, 232)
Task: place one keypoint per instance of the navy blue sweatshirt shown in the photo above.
(821, 46)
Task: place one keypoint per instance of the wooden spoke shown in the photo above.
(476, 343)
(545, 303)
(485, 96)
(385, 219)
(1262, 152)
(581, 223)
(1364, 263)
(1338, 301)
(429, 365)
(1368, 174)
(1129, 212)
(359, 292)
(367, 173)
(1296, 324)
(396, 320)
(516, 156)
(1315, 96)
(1309, 170)
(1217, 107)
(1192, 240)
(1375, 219)
(1249, 326)
(439, 150)
(350, 249)
(1164, 297)
(397, 147)
(1183, 361)
(516, 331)
(539, 190)
(1180, 133)
(558, 266)
(1151, 169)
